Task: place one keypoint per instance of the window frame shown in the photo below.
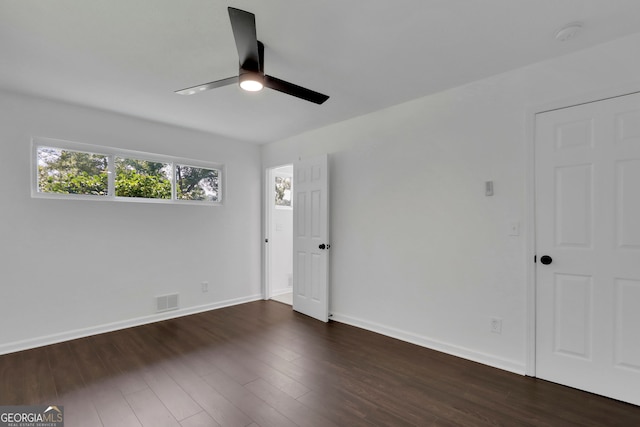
(111, 153)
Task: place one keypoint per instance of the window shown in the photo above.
(194, 183)
(283, 191)
(71, 170)
(142, 178)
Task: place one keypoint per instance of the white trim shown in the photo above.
(454, 350)
(530, 246)
(281, 292)
(588, 97)
(530, 121)
(266, 253)
(115, 326)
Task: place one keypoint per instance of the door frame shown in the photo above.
(266, 229)
(530, 191)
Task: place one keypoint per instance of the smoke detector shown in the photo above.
(569, 31)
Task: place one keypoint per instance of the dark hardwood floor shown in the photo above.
(260, 364)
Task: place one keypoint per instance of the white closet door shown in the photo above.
(588, 224)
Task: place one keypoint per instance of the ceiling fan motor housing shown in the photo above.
(251, 74)
(251, 80)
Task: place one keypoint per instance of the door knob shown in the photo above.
(546, 259)
(322, 246)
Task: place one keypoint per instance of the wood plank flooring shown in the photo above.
(263, 365)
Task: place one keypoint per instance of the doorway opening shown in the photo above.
(279, 248)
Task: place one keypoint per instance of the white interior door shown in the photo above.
(311, 237)
(588, 223)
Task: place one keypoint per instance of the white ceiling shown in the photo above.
(130, 55)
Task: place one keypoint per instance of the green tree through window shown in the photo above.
(75, 170)
(72, 172)
(196, 183)
(142, 178)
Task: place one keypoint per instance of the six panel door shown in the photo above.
(310, 237)
(588, 222)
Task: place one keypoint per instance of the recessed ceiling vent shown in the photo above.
(569, 31)
(166, 303)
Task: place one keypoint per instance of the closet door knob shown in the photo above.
(546, 259)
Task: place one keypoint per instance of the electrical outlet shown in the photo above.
(205, 286)
(496, 326)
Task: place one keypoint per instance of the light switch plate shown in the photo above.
(488, 188)
(514, 228)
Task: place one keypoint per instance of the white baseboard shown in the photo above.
(12, 347)
(454, 350)
(276, 292)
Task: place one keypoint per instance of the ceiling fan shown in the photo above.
(251, 54)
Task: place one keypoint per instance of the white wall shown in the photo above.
(417, 250)
(70, 268)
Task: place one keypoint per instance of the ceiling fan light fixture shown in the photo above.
(251, 81)
(251, 61)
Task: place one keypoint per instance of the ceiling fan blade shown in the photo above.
(243, 25)
(211, 85)
(294, 90)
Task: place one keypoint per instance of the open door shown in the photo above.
(311, 237)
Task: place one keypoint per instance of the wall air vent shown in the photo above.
(166, 303)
